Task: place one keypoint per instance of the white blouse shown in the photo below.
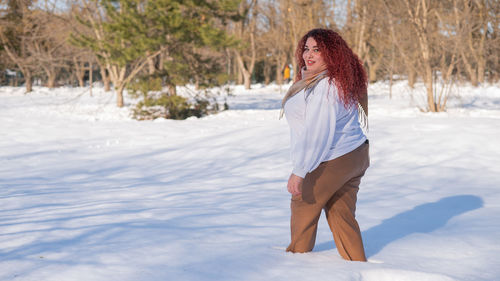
(321, 127)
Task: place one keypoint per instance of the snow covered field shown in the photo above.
(87, 193)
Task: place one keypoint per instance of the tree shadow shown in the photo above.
(424, 218)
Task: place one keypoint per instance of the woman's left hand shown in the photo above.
(295, 184)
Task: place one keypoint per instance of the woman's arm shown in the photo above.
(313, 145)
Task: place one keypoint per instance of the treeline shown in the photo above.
(212, 42)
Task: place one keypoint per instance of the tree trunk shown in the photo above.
(119, 95)
(247, 80)
(349, 14)
(79, 72)
(420, 19)
(428, 87)
(172, 91)
(391, 70)
(373, 66)
(425, 49)
(267, 73)
(51, 82)
(228, 58)
(470, 70)
(479, 50)
(151, 65)
(247, 74)
(161, 61)
(360, 34)
(239, 75)
(91, 79)
(81, 83)
(247, 70)
(105, 80)
(279, 70)
(444, 67)
(29, 82)
(51, 73)
(372, 73)
(481, 69)
(51, 79)
(105, 76)
(412, 77)
(295, 69)
(279, 74)
(197, 82)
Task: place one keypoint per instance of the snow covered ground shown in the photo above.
(87, 193)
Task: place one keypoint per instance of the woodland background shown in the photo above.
(153, 45)
(88, 193)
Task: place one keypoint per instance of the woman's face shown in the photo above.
(312, 56)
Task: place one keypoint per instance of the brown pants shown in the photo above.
(333, 186)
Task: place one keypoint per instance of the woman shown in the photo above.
(329, 149)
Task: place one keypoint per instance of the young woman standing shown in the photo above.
(329, 149)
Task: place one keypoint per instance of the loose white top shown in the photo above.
(321, 127)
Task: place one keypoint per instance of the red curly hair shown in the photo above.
(344, 67)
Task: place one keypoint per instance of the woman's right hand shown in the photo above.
(295, 184)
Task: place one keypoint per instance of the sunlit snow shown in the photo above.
(88, 193)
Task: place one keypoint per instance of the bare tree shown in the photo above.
(493, 40)
(471, 24)
(274, 43)
(301, 16)
(245, 31)
(435, 41)
(48, 42)
(368, 34)
(16, 29)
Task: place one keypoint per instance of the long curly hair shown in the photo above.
(345, 70)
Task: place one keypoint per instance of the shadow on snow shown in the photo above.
(424, 218)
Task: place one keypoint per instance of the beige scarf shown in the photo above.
(308, 81)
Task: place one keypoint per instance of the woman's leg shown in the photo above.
(340, 213)
(306, 208)
(318, 188)
(341, 208)
(303, 225)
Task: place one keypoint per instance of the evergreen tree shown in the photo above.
(134, 31)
